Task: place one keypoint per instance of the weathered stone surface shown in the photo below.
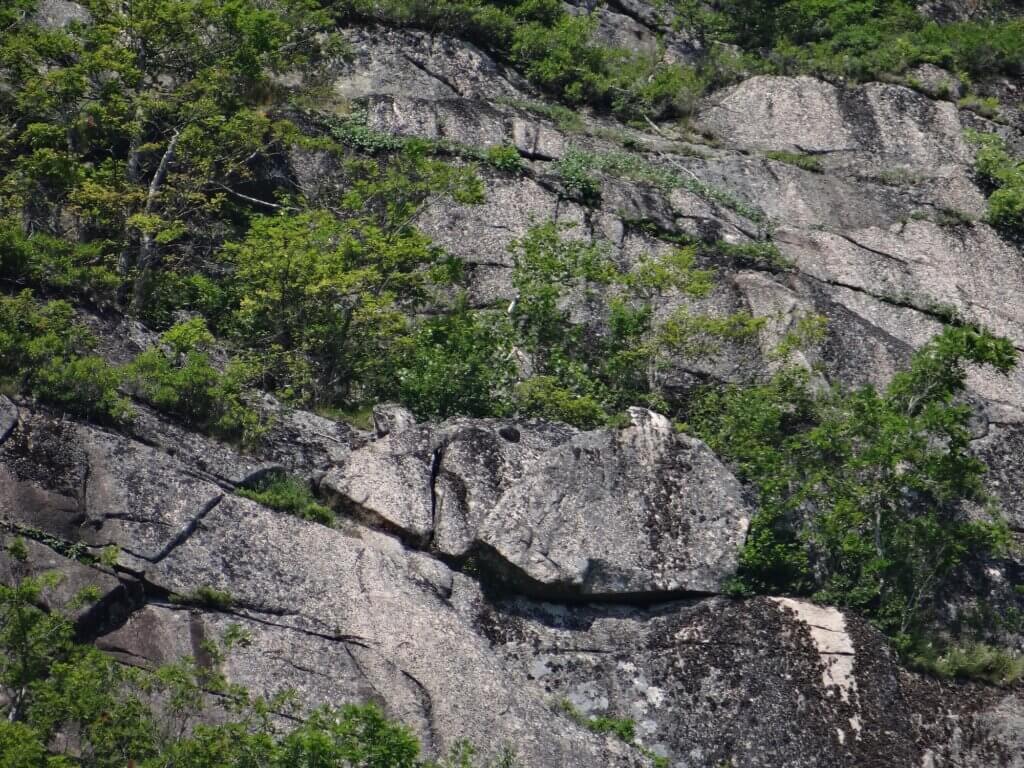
(935, 82)
(304, 585)
(758, 683)
(641, 510)
(921, 264)
(436, 483)
(58, 14)
(803, 114)
(403, 63)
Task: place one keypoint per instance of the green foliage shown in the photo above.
(860, 491)
(288, 494)
(180, 378)
(555, 49)
(589, 373)
(45, 352)
(139, 129)
(624, 729)
(50, 686)
(207, 597)
(864, 39)
(761, 254)
(575, 171)
(1005, 175)
(325, 299)
(457, 363)
(798, 159)
(986, 107)
(975, 661)
(505, 158)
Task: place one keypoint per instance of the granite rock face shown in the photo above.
(609, 512)
(485, 572)
(359, 613)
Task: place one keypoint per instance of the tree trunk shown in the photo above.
(147, 248)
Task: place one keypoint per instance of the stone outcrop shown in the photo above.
(357, 614)
(611, 512)
(485, 572)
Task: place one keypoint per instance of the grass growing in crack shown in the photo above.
(624, 729)
(625, 165)
(565, 119)
(798, 159)
(976, 661)
(288, 494)
(206, 597)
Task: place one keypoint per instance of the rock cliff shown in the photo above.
(484, 571)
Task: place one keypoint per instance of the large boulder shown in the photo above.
(608, 512)
(617, 512)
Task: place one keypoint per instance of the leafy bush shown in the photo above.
(288, 494)
(45, 352)
(575, 171)
(861, 491)
(975, 661)
(543, 397)
(457, 364)
(179, 377)
(1005, 174)
(505, 158)
(588, 373)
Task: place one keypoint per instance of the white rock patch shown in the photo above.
(834, 644)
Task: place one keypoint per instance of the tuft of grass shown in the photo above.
(206, 597)
(798, 159)
(974, 661)
(986, 106)
(288, 494)
(505, 158)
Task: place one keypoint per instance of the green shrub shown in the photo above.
(555, 49)
(574, 169)
(505, 158)
(457, 364)
(543, 397)
(975, 661)
(985, 106)
(206, 597)
(288, 494)
(861, 492)
(178, 377)
(1005, 174)
(45, 352)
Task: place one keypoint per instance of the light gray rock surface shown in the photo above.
(618, 512)
(427, 596)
